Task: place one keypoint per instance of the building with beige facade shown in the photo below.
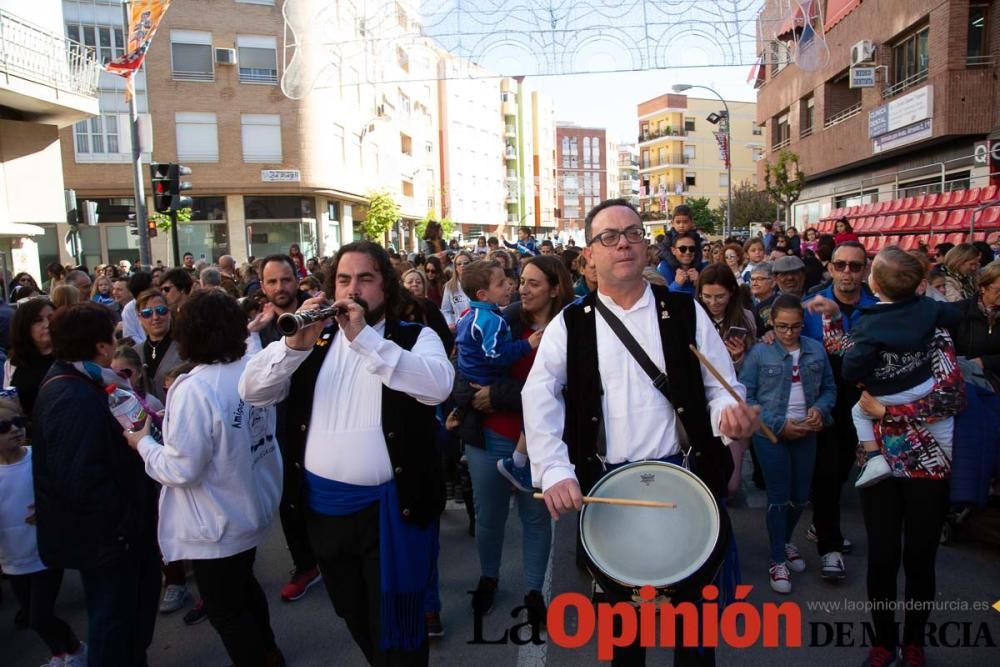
(679, 156)
(269, 170)
(46, 83)
(544, 126)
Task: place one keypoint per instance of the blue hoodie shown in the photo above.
(526, 248)
(486, 349)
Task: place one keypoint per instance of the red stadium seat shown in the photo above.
(969, 197)
(912, 203)
(956, 220)
(956, 237)
(931, 201)
(988, 218)
(919, 222)
(938, 220)
(895, 206)
(979, 236)
(988, 193)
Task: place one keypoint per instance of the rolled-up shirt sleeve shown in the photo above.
(710, 344)
(545, 409)
(268, 374)
(423, 372)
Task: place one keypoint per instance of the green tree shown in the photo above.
(383, 212)
(163, 219)
(784, 181)
(447, 226)
(749, 205)
(704, 217)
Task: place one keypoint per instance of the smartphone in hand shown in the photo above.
(738, 333)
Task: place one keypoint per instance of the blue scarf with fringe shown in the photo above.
(405, 555)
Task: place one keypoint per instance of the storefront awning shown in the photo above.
(758, 73)
(19, 229)
(837, 10)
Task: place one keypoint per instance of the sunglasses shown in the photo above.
(685, 249)
(16, 422)
(855, 267)
(147, 313)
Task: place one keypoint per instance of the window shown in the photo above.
(662, 155)
(573, 152)
(645, 158)
(407, 189)
(807, 108)
(689, 124)
(339, 149)
(724, 180)
(756, 129)
(258, 59)
(689, 154)
(97, 135)
(261, 137)
(565, 151)
(782, 132)
(191, 55)
(586, 153)
(356, 148)
(105, 41)
(405, 144)
(404, 103)
(645, 131)
(976, 48)
(595, 152)
(401, 16)
(690, 180)
(910, 58)
(197, 137)
(402, 59)
(756, 154)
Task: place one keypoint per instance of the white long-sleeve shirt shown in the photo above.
(453, 304)
(639, 422)
(345, 440)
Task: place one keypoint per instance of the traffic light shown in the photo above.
(159, 177)
(177, 186)
(151, 228)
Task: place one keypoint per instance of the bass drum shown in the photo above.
(677, 551)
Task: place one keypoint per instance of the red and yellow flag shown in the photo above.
(144, 19)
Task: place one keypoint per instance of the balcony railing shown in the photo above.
(980, 61)
(806, 132)
(843, 115)
(37, 55)
(669, 132)
(256, 75)
(781, 144)
(908, 82)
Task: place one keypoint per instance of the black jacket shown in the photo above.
(974, 338)
(93, 500)
(892, 344)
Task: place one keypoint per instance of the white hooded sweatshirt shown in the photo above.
(219, 466)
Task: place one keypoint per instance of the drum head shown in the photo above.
(635, 546)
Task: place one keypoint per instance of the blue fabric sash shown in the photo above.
(406, 555)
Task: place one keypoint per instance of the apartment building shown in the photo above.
(544, 127)
(611, 175)
(47, 82)
(921, 123)
(471, 147)
(268, 170)
(582, 167)
(679, 154)
(519, 151)
(628, 173)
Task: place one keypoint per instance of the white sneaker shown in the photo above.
(832, 566)
(793, 559)
(78, 659)
(174, 598)
(55, 661)
(876, 469)
(778, 574)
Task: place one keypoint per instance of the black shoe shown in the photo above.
(435, 629)
(535, 603)
(485, 595)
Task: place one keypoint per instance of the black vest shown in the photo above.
(409, 427)
(710, 459)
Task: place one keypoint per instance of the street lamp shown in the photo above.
(682, 87)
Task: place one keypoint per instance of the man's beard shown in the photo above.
(372, 315)
(282, 299)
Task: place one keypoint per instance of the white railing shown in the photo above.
(900, 86)
(781, 144)
(843, 115)
(32, 53)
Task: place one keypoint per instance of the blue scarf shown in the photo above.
(406, 553)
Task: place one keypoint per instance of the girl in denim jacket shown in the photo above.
(793, 383)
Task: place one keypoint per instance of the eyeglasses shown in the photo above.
(147, 313)
(760, 279)
(16, 422)
(856, 267)
(610, 237)
(430, 270)
(788, 328)
(684, 249)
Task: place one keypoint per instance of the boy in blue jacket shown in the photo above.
(486, 349)
(891, 352)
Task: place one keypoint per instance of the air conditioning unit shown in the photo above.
(225, 56)
(863, 52)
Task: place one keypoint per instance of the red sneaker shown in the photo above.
(879, 656)
(300, 582)
(913, 656)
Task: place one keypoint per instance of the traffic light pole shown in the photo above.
(145, 257)
(174, 241)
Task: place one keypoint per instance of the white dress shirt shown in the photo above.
(639, 422)
(345, 441)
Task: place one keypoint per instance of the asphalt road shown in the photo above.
(310, 634)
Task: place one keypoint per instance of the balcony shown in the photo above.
(669, 133)
(980, 61)
(510, 131)
(842, 115)
(909, 82)
(781, 144)
(44, 75)
(510, 153)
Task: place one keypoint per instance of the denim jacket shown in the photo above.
(767, 376)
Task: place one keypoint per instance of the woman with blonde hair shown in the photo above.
(960, 269)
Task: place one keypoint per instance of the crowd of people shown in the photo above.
(472, 374)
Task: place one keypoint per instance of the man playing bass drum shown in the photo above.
(595, 389)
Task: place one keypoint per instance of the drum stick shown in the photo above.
(732, 392)
(627, 502)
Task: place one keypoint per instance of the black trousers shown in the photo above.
(292, 514)
(36, 593)
(836, 448)
(347, 550)
(903, 519)
(236, 607)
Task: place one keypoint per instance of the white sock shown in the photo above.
(520, 459)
